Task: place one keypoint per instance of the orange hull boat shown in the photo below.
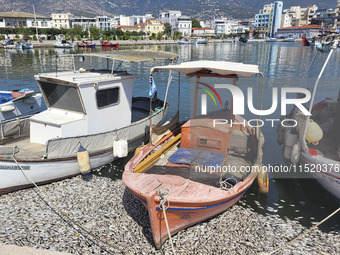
(198, 169)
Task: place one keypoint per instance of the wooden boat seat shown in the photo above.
(189, 173)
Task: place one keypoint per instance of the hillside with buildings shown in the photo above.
(271, 20)
(202, 9)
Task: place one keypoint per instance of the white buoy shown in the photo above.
(7, 107)
(83, 158)
(290, 139)
(120, 148)
(295, 155)
(314, 133)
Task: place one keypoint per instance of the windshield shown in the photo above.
(62, 96)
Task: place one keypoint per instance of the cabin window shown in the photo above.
(107, 97)
(62, 96)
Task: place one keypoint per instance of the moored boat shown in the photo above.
(272, 39)
(88, 110)
(63, 43)
(185, 41)
(202, 40)
(19, 103)
(86, 44)
(315, 142)
(26, 45)
(112, 45)
(183, 176)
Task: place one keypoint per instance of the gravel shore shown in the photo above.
(107, 209)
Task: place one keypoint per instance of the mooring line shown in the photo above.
(304, 233)
(61, 213)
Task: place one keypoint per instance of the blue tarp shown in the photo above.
(5, 97)
(197, 157)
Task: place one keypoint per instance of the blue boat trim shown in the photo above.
(202, 208)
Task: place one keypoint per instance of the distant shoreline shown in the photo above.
(50, 44)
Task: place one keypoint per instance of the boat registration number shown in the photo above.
(6, 167)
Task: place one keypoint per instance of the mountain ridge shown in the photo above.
(201, 9)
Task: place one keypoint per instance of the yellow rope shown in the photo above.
(285, 245)
(64, 214)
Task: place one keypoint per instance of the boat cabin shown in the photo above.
(82, 103)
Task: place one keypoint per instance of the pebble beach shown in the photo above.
(101, 216)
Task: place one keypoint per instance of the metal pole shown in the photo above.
(35, 20)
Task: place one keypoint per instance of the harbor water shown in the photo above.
(283, 65)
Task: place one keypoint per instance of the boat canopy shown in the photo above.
(134, 55)
(218, 67)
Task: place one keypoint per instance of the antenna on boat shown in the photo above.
(56, 65)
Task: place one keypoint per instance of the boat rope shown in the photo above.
(63, 215)
(224, 184)
(163, 194)
(307, 231)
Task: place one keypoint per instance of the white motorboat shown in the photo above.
(90, 112)
(315, 141)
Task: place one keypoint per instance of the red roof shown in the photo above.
(148, 22)
(303, 27)
(122, 26)
(203, 28)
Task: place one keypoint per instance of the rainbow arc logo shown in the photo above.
(209, 93)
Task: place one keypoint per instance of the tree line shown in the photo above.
(78, 33)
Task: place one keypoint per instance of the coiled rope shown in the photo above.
(163, 194)
(63, 215)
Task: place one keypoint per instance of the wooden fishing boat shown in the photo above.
(91, 120)
(86, 44)
(192, 171)
(112, 45)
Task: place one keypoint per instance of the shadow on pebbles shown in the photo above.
(107, 210)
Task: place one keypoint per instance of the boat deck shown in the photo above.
(21, 148)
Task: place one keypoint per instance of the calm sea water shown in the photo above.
(283, 65)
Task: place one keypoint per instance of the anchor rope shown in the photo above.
(164, 198)
(63, 215)
(307, 231)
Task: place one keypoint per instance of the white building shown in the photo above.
(24, 19)
(84, 22)
(103, 22)
(169, 17)
(61, 20)
(269, 19)
(133, 20)
(224, 26)
(184, 25)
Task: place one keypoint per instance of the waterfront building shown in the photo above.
(337, 17)
(204, 32)
(23, 19)
(225, 26)
(127, 28)
(299, 31)
(324, 17)
(151, 26)
(169, 16)
(103, 22)
(61, 20)
(133, 20)
(184, 25)
(84, 22)
(268, 20)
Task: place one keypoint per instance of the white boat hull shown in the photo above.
(330, 179)
(43, 171)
